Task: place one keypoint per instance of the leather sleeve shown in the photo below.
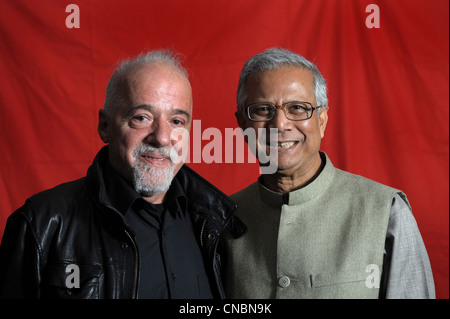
(20, 258)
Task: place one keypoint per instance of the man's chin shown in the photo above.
(151, 193)
(152, 187)
(152, 180)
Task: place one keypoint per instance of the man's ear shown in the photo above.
(240, 119)
(103, 128)
(323, 120)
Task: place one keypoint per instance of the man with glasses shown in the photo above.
(315, 231)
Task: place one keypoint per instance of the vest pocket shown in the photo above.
(323, 280)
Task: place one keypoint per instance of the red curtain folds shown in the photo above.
(388, 87)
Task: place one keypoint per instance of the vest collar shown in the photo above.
(304, 194)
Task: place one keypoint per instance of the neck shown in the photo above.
(285, 182)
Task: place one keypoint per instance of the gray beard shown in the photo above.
(148, 180)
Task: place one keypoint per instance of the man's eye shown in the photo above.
(263, 110)
(178, 122)
(139, 118)
(138, 121)
(298, 108)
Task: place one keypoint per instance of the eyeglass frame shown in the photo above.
(282, 106)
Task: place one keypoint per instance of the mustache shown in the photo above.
(169, 152)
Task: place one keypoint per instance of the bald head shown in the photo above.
(117, 90)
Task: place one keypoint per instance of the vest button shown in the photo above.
(284, 281)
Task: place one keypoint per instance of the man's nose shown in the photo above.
(160, 133)
(280, 121)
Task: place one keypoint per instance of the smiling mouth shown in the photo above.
(155, 156)
(286, 145)
(282, 146)
(155, 159)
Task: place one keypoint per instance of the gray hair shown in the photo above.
(116, 90)
(271, 59)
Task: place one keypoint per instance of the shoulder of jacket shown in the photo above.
(62, 192)
(361, 182)
(59, 200)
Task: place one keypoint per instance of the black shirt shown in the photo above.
(171, 264)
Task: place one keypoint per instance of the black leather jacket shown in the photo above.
(74, 223)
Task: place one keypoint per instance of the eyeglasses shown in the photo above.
(294, 110)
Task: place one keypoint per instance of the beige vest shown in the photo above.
(326, 241)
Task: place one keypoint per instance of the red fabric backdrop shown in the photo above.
(388, 87)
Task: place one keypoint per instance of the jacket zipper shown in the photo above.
(201, 232)
(136, 265)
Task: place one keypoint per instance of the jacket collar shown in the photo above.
(304, 194)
